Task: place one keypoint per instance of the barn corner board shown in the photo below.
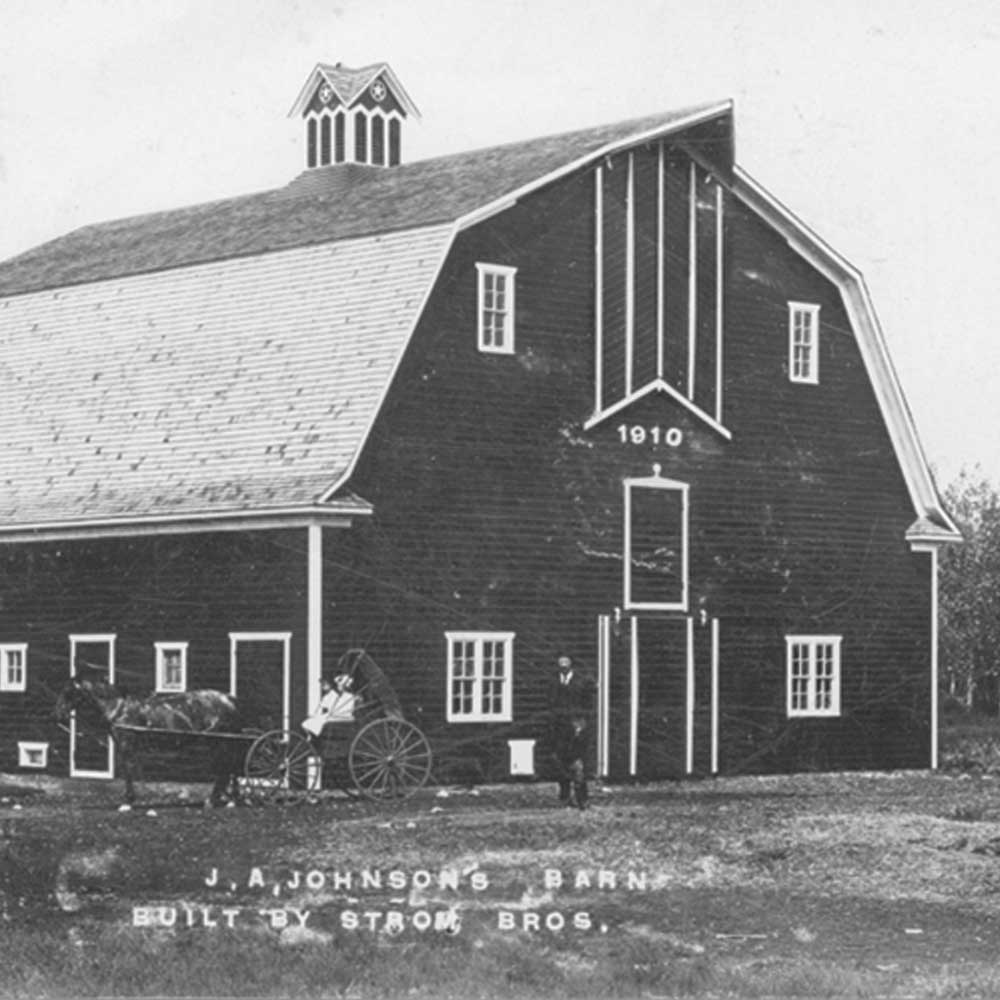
(596, 393)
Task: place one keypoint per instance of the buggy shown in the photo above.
(379, 756)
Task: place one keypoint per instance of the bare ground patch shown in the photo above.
(826, 885)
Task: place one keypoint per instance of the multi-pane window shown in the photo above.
(496, 308)
(656, 544)
(813, 674)
(14, 667)
(171, 666)
(479, 676)
(803, 342)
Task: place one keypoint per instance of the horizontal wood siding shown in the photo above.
(497, 511)
(194, 588)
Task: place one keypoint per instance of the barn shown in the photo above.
(596, 393)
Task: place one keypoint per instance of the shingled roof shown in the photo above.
(226, 360)
(319, 206)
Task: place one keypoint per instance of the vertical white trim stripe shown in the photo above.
(692, 275)
(715, 696)
(934, 658)
(630, 274)
(633, 746)
(660, 260)
(603, 692)
(598, 288)
(314, 628)
(689, 699)
(720, 274)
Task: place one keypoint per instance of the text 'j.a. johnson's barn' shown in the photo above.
(596, 393)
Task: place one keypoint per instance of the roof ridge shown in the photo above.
(579, 132)
(317, 206)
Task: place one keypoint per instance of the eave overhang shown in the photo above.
(924, 535)
(340, 515)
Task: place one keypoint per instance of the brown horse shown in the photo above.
(124, 717)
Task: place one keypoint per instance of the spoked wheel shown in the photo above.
(280, 767)
(389, 758)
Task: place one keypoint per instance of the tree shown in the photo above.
(970, 595)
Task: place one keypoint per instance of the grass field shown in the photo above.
(808, 886)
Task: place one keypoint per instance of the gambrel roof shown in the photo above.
(226, 361)
(320, 206)
(211, 391)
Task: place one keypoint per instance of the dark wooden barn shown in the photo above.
(596, 393)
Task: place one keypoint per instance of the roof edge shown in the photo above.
(339, 514)
(507, 200)
(328, 495)
(871, 340)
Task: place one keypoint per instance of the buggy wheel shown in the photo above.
(389, 758)
(280, 767)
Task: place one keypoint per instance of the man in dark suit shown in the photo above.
(570, 708)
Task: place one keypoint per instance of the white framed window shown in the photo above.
(496, 308)
(14, 666)
(656, 544)
(35, 755)
(803, 342)
(813, 675)
(171, 666)
(480, 667)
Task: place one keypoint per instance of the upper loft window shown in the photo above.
(171, 666)
(14, 667)
(803, 342)
(656, 544)
(813, 675)
(496, 308)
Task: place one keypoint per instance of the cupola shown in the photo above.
(353, 115)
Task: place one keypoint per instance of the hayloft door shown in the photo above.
(260, 679)
(91, 750)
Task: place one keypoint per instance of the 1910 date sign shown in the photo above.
(656, 435)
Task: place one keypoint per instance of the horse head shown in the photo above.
(82, 693)
(71, 697)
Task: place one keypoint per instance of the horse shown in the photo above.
(124, 717)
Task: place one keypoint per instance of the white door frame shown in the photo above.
(604, 667)
(285, 638)
(74, 641)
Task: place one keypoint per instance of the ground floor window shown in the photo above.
(171, 666)
(479, 676)
(813, 674)
(14, 666)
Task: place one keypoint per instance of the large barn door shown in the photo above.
(91, 750)
(657, 696)
(260, 679)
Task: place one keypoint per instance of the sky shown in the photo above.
(872, 120)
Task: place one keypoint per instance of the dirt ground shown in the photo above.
(888, 883)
